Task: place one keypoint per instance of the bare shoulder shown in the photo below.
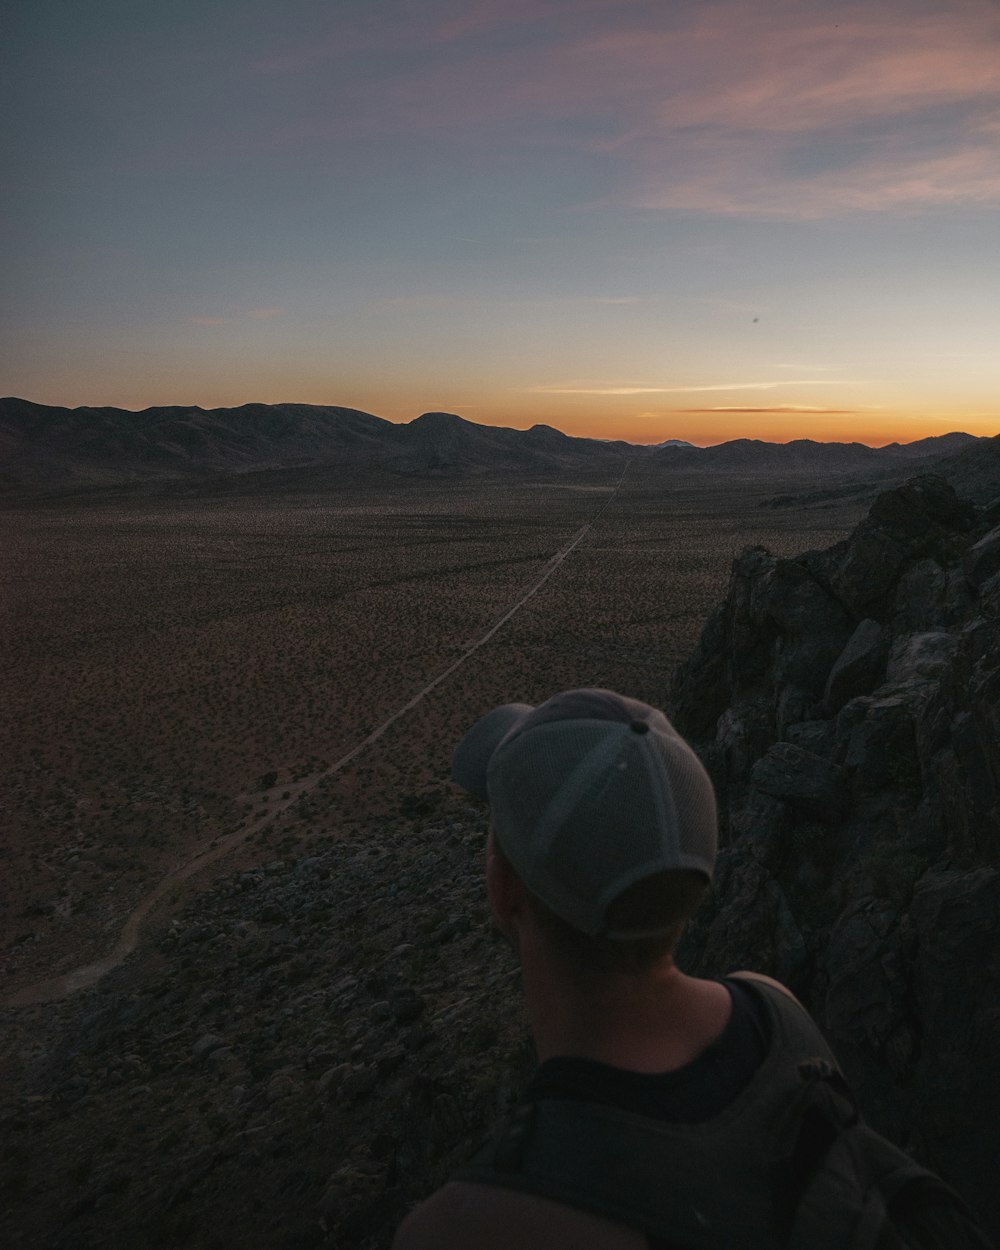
(766, 980)
(466, 1216)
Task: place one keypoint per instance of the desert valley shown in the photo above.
(250, 994)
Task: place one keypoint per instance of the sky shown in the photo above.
(639, 219)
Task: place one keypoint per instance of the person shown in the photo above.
(641, 1125)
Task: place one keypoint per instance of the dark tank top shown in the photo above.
(697, 1091)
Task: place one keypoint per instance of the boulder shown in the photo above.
(910, 511)
(859, 666)
(921, 657)
(879, 745)
(867, 569)
(864, 997)
(810, 782)
(817, 736)
(982, 560)
(789, 596)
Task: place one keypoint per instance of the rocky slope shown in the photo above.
(291, 1063)
(847, 703)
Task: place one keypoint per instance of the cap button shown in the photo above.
(639, 727)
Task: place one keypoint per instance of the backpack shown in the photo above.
(788, 1165)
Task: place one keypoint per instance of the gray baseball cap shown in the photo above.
(590, 792)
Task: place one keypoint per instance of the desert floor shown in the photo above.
(179, 666)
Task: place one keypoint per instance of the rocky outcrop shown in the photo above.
(847, 705)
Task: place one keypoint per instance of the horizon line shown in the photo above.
(777, 411)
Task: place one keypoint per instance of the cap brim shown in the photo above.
(472, 756)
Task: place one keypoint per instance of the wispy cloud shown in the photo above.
(797, 408)
(598, 390)
(780, 111)
(266, 314)
(407, 303)
(790, 109)
(208, 321)
(684, 390)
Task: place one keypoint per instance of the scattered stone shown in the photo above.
(407, 1007)
(204, 1046)
(283, 1084)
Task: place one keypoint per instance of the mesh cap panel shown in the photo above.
(585, 808)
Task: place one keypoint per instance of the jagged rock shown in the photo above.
(880, 744)
(794, 706)
(928, 596)
(921, 519)
(858, 667)
(865, 574)
(790, 597)
(921, 657)
(791, 773)
(923, 502)
(983, 560)
(862, 963)
(816, 736)
(989, 596)
(882, 911)
(751, 914)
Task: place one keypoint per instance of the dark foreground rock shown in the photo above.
(847, 704)
(311, 1047)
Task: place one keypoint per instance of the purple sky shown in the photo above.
(626, 218)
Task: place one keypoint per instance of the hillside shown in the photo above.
(753, 455)
(52, 449)
(47, 448)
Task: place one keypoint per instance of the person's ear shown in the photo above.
(504, 889)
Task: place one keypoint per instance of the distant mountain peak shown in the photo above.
(54, 448)
(440, 419)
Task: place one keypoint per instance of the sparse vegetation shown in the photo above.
(172, 660)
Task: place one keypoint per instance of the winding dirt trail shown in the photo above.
(54, 988)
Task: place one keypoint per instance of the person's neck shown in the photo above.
(653, 1022)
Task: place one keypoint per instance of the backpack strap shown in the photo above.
(835, 1181)
(789, 1163)
(707, 1185)
(656, 1177)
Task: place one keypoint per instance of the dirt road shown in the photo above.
(66, 983)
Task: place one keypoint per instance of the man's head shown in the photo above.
(600, 807)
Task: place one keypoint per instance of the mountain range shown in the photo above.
(45, 448)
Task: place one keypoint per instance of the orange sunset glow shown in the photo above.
(637, 221)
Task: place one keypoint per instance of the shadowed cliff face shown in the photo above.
(847, 704)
